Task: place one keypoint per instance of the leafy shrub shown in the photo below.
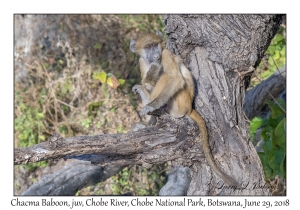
(273, 157)
(274, 58)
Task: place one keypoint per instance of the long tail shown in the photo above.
(206, 148)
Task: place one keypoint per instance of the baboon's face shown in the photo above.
(152, 53)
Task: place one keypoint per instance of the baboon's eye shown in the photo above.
(155, 45)
(148, 46)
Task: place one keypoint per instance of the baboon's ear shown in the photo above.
(159, 33)
(132, 46)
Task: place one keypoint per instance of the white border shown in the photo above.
(153, 6)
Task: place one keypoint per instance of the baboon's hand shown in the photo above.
(136, 88)
(146, 109)
(155, 65)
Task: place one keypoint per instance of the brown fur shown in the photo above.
(175, 87)
(147, 38)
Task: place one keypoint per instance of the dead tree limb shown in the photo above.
(167, 140)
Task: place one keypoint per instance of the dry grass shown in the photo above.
(55, 58)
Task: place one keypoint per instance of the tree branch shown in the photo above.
(167, 140)
(256, 97)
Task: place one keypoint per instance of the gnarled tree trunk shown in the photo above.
(221, 51)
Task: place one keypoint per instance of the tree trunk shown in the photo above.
(222, 51)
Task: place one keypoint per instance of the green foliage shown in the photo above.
(273, 157)
(277, 51)
(29, 126)
(255, 123)
(275, 57)
(93, 107)
(34, 166)
(65, 87)
(112, 109)
(278, 108)
(120, 129)
(86, 123)
(138, 180)
(97, 46)
(121, 81)
(63, 129)
(101, 76)
(109, 79)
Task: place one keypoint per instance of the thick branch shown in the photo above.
(168, 140)
(256, 97)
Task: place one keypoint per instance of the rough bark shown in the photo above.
(221, 51)
(169, 139)
(266, 90)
